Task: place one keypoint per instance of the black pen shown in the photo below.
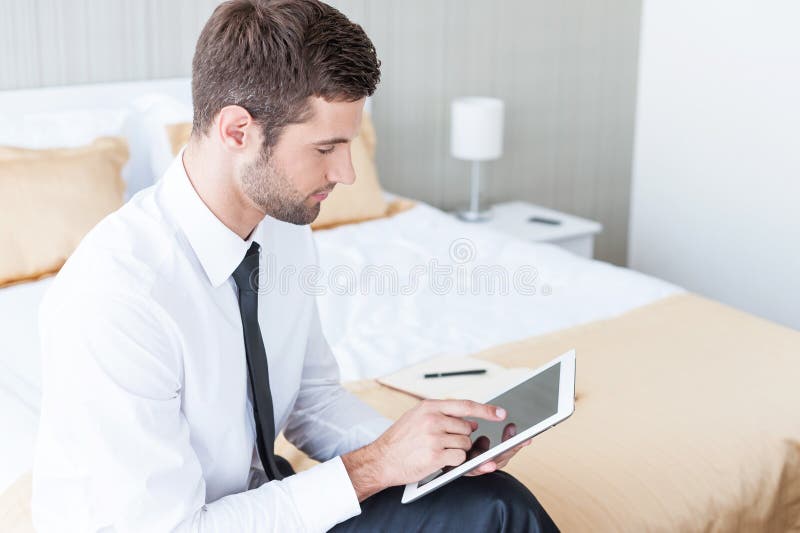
(457, 373)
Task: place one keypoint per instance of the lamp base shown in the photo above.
(475, 216)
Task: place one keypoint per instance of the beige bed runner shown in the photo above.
(687, 419)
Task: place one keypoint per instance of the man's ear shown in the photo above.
(236, 128)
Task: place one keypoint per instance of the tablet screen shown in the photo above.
(526, 405)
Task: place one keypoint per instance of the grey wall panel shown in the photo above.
(60, 42)
(566, 69)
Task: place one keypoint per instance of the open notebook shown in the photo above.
(480, 388)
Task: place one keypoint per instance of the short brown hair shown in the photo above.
(270, 56)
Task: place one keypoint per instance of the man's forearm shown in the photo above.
(365, 470)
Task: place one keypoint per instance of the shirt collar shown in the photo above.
(218, 249)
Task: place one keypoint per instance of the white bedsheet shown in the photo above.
(373, 333)
(20, 377)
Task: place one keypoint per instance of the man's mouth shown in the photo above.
(321, 195)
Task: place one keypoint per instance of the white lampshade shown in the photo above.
(476, 129)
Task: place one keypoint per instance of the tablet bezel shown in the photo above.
(566, 406)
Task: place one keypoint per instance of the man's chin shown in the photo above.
(305, 216)
(314, 213)
(299, 214)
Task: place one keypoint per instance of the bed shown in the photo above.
(666, 434)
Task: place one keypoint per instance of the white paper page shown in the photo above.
(479, 387)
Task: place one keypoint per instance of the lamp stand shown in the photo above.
(475, 214)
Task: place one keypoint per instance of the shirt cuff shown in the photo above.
(325, 495)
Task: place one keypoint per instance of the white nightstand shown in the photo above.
(573, 233)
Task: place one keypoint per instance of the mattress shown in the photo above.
(20, 364)
(20, 376)
(686, 419)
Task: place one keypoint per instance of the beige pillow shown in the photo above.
(50, 199)
(178, 135)
(363, 200)
(15, 506)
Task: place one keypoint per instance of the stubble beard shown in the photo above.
(270, 189)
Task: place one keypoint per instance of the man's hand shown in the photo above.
(482, 444)
(430, 436)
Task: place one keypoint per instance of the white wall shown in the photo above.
(716, 180)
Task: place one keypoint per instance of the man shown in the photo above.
(167, 374)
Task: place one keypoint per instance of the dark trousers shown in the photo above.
(487, 503)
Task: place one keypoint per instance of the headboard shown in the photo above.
(95, 96)
(75, 114)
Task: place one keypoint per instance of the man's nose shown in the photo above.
(342, 170)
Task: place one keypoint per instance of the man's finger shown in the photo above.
(461, 442)
(509, 431)
(462, 408)
(485, 468)
(457, 426)
(453, 457)
(506, 456)
(481, 444)
(500, 461)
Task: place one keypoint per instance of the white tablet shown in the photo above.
(538, 401)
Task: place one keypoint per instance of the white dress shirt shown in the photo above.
(146, 421)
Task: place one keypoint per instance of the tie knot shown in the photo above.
(246, 274)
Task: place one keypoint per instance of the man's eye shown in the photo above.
(326, 150)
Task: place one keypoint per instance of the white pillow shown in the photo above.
(152, 114)
(67, 129)
(70, 129)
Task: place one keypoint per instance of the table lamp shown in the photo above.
(476, 134)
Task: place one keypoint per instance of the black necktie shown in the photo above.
(246, 277)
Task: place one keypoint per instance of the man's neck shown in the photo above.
(215, 185)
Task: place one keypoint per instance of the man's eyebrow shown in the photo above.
(336, 140)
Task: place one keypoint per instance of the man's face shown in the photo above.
(290, 180)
